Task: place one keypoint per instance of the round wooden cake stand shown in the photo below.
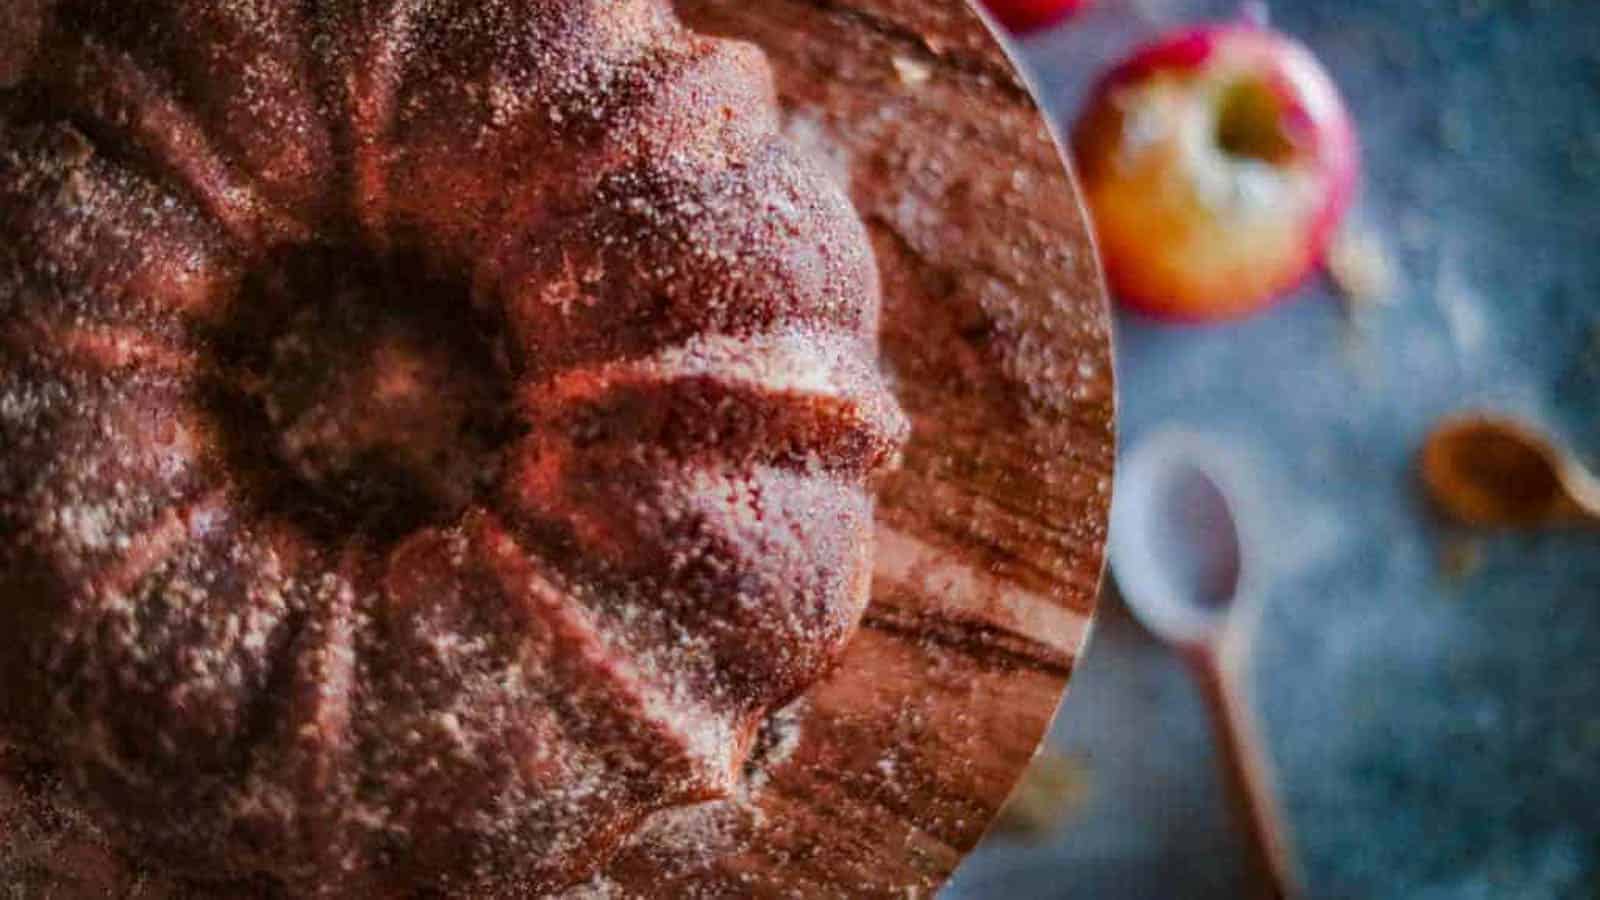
(990, 536)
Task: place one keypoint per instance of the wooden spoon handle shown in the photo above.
(1247, 775)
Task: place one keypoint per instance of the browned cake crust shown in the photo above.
(432, 432)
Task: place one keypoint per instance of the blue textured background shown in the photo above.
(1437, 737)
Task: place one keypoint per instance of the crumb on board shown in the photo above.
(1459, 558)
(1361, 268)
(912, 72)
(1054, 788)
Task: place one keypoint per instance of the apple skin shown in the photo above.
(1190, 226)
(1023, 16)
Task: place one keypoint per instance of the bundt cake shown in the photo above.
(433, 433)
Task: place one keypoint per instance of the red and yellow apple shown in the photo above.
(1023, 16)
(1217, 163)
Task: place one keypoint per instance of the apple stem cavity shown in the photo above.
(1249, 123)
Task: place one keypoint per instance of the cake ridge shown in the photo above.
(148, 121)
(579, 641)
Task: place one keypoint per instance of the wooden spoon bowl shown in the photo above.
(1491, 471)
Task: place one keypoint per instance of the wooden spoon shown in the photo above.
(1492, 471)
(1187, 571)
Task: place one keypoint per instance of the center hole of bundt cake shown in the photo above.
(376, 396)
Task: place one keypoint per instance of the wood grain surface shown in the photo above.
(990, 537)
